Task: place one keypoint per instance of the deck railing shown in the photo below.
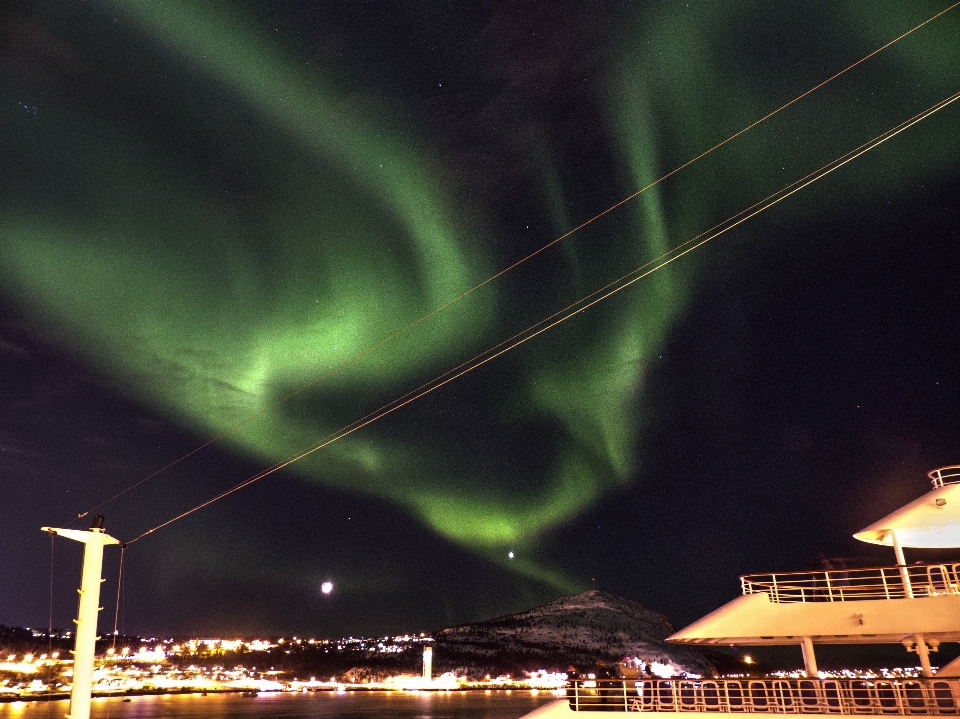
(897, 697)
(938, 476)
(845, 585)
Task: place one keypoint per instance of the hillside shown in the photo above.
(581, 630)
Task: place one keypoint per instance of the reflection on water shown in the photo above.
(325, 705)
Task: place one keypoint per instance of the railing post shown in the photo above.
(898, 692)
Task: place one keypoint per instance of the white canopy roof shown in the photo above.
(929, 522)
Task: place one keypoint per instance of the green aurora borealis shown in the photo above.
(217, 212)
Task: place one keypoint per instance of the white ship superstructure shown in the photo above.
(917, 605)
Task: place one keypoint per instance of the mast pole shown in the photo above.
(94, 541)
(923, 652)
(809, 658)
(902, 564)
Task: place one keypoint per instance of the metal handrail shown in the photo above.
(844, 585)
(897, 697)
(938, 475)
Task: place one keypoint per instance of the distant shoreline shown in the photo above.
(347, 688)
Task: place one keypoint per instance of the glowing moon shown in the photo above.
(326, 587)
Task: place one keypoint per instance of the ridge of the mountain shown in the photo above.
(581, 629)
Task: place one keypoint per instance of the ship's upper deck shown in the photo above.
(892, 604)
(931, 521)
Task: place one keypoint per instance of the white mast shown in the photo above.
(94, 540)
(428, 664)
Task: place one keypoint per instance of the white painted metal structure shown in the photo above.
(772, 695)
(917, 605)
(428, 664)
(94, 541)
(929, 522)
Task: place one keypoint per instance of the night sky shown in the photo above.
(206, 205)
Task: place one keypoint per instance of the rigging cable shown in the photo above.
(116, 612)
(50, 617)
(351, 360)
(582, 304)
(116, 615)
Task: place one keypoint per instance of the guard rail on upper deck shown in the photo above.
(894, 697)
(846, 585)
(937, 476)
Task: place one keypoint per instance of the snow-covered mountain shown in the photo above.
(578, 630)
